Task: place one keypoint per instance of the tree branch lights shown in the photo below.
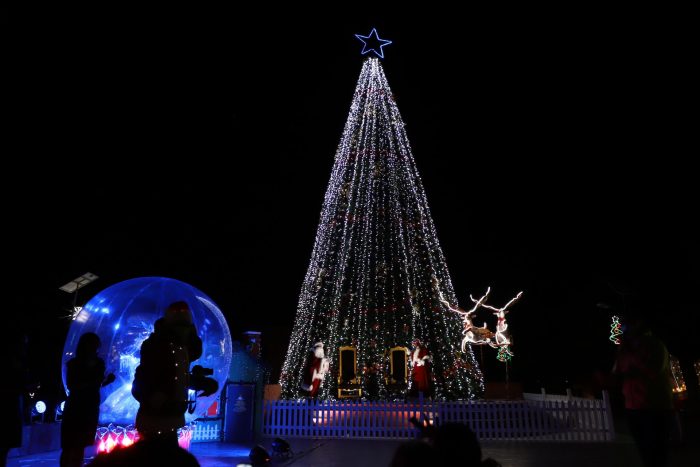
(377, 272)
(615, 330)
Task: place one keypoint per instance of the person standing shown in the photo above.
(162, 378)
(315, 370)
(85, 375)
(643, 365)
(420, 368)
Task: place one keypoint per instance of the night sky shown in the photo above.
(198, 145)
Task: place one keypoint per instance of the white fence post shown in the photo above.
(610, 425)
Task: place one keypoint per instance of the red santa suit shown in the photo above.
(420, 361)
(316, 368)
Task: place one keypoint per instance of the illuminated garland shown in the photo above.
(615, 330)
(377, 272)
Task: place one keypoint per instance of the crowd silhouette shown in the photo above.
(161, 385)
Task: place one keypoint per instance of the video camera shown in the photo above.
(199, 370)
(200, 381)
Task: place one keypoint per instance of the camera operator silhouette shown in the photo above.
(162, 379)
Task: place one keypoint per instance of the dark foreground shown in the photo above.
(347, 453)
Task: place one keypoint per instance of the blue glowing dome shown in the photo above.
(123, 316)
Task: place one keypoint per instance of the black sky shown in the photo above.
(197, 144)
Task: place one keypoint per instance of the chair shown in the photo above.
(348, 382)
(398, 368)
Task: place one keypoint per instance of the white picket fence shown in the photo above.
(536, 420)
(206, 431)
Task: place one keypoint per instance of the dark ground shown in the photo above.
(351, 453)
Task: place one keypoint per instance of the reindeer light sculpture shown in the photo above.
(472, 334)
(501, 338)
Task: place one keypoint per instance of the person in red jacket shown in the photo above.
(420, 368)
(643, 366)
(315, 370)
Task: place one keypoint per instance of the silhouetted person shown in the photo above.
(456, 444)
(453, 444)
(149, 452)
(85, 375)
(162, 378)
(644, 367)
(14, 350)
(414, 454)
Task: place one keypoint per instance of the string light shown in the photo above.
(615, 330)
(377, 272)
(677, 373)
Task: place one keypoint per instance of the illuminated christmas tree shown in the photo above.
(377, 271)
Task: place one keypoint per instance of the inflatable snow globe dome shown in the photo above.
(123, 316)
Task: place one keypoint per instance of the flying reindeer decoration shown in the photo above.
(501, 338)
(474, 335)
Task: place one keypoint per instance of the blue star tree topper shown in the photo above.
(372, 43)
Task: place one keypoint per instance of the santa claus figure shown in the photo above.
(420, 365)
(316, 369)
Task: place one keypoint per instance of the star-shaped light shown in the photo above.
(372, 43)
